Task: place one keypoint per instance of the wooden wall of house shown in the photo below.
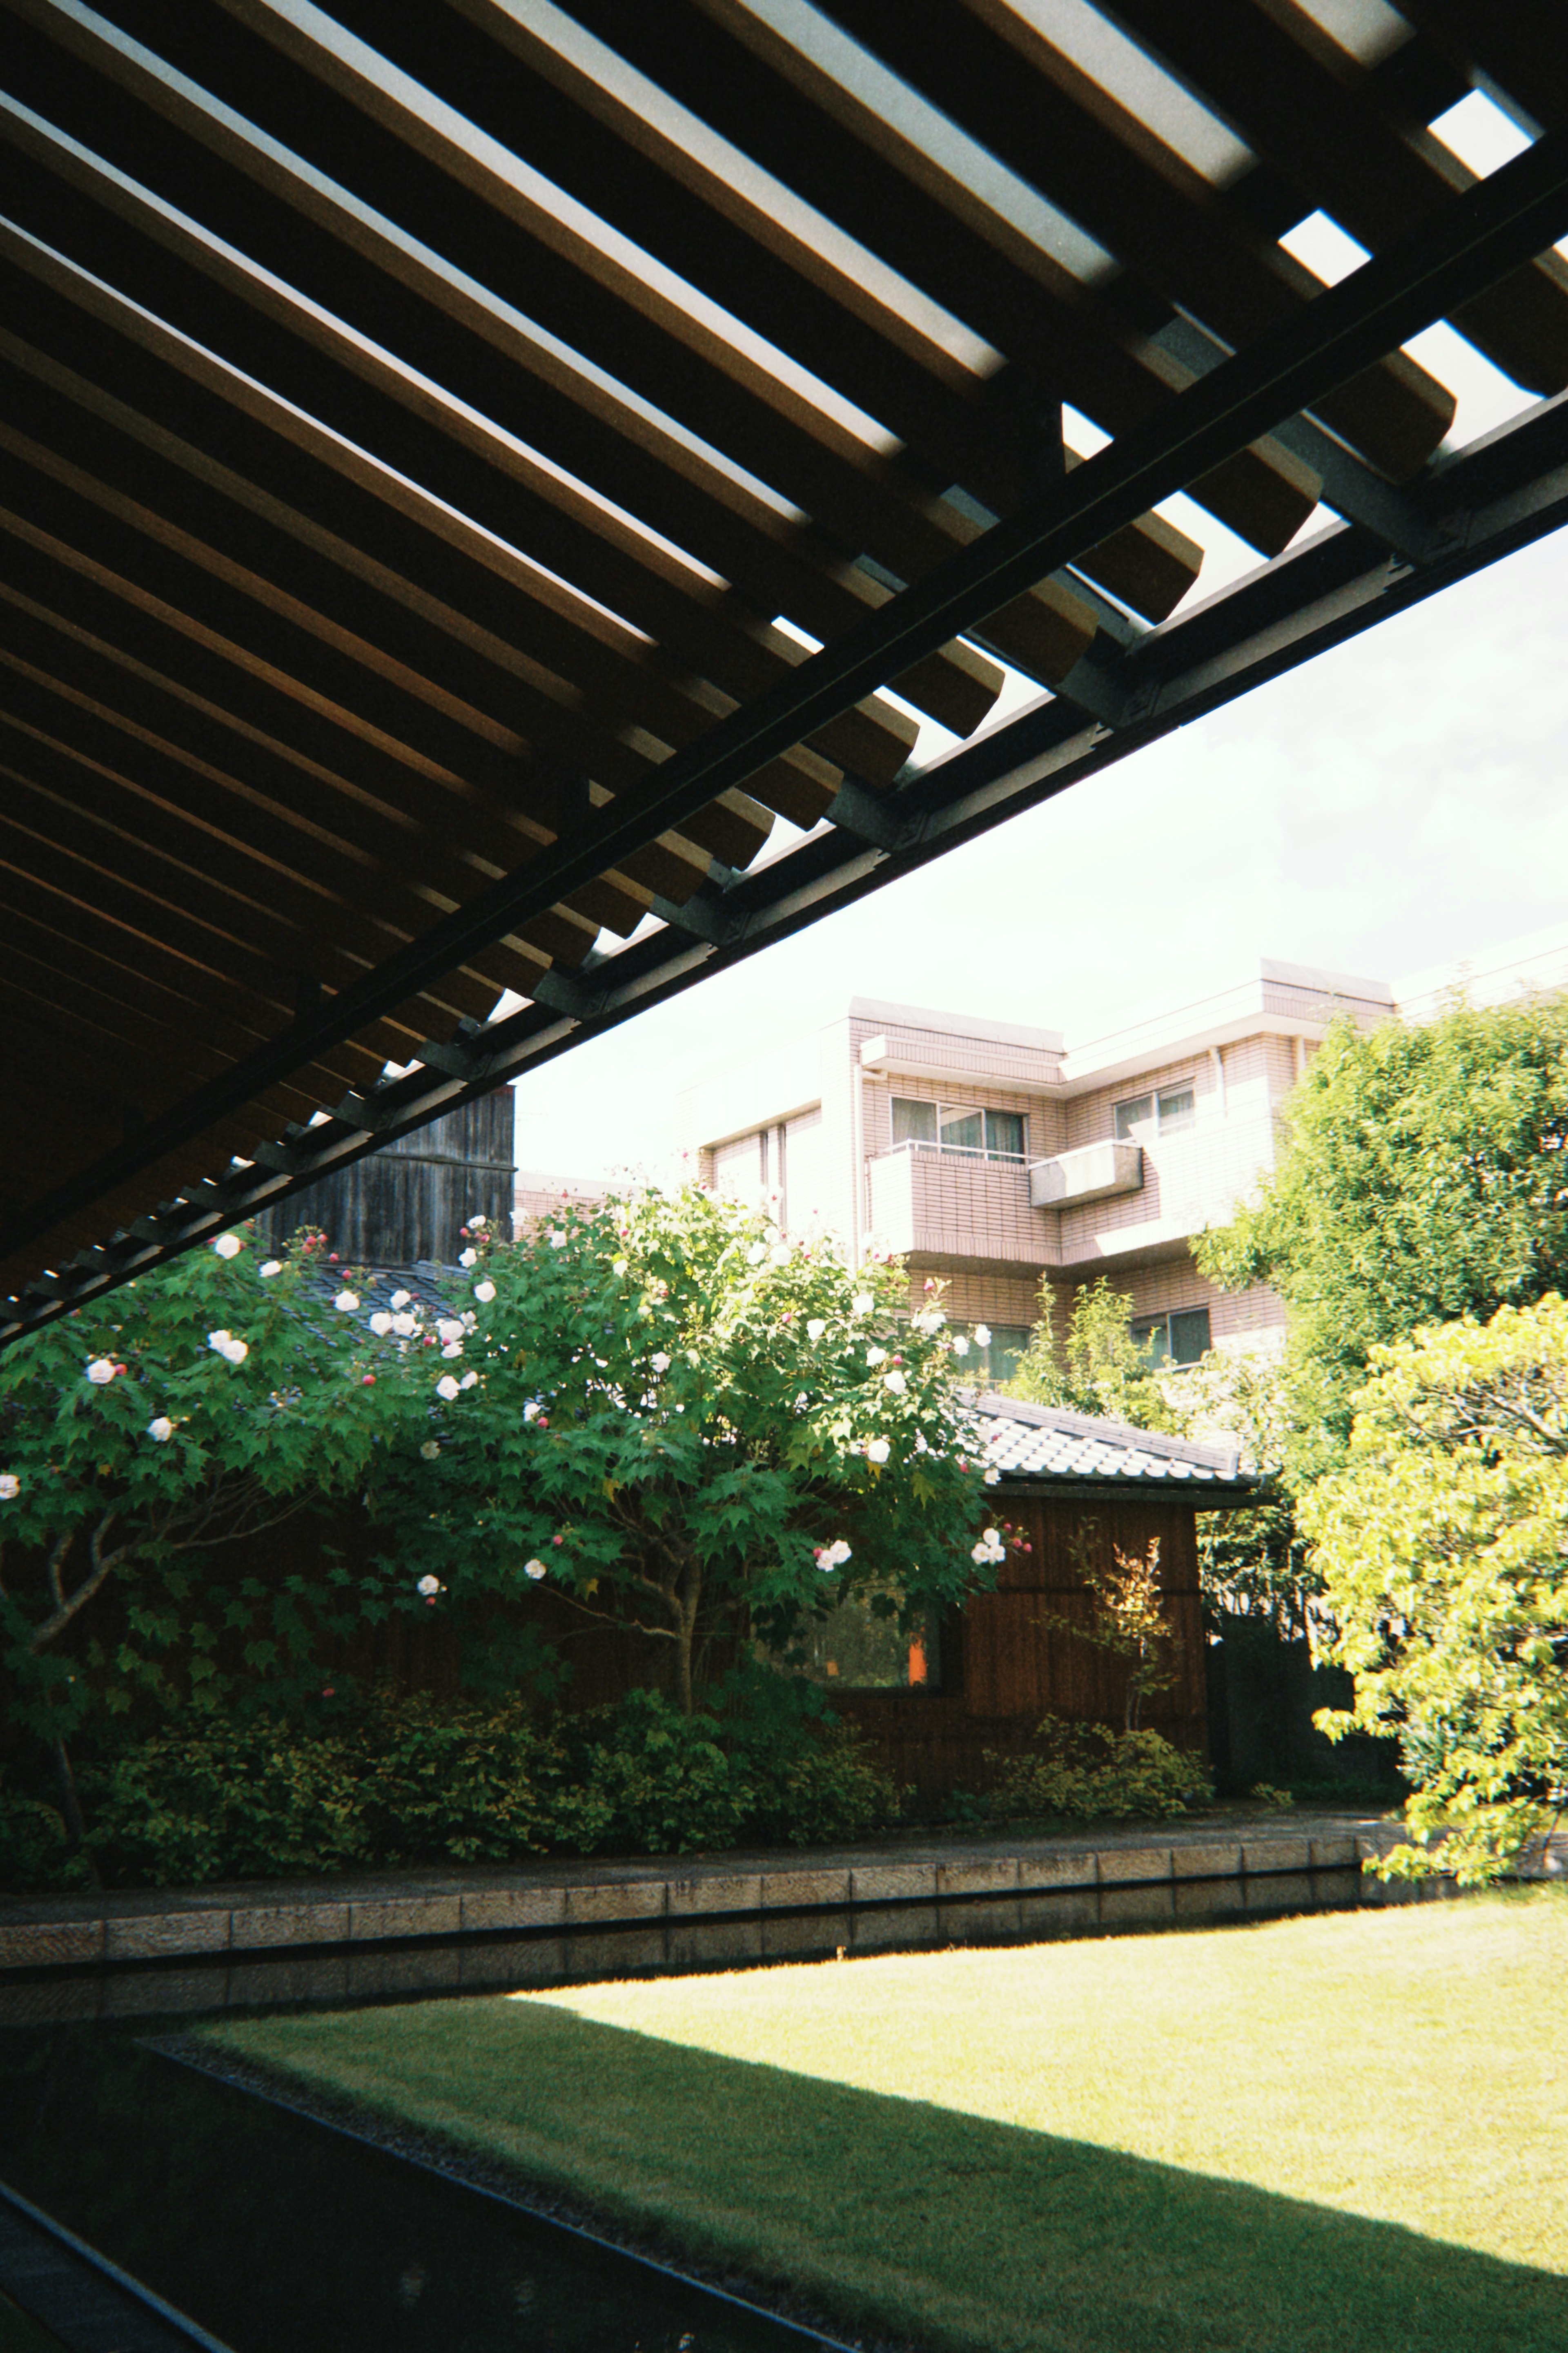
(408, 1200)
(1010, 1657)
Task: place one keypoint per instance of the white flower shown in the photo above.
(453, 1348)
(380, 1324)
(531, 1412)
(992, 1477)
(619, 1266)
(877, 1450)
(756, 1255)
(470, 1321)
(468, 1380)
(429, 1587)
(660, 1361)
(101, 1371)
(983, 1336)
(467, 1258)
(399, 1298)
(960, 1345)
(876, 1356)
(273, 1266)
(447, 1387)
(346, 1302)
(990, 1548)
(896, 1382)
(479, 1223)
(405, 1326)
(833, 1555)
(161, 1429)
(930, 1319)
(10, 1486)
(920, 1446)
(484, 1293)
(228, 1246)
(781, 1254)
(815, 1327)
(236, 1352)
(220, 1342)
(534, 1568)
(448, 1328)
(429, 1449)
(862, 1303)
(557, 1239)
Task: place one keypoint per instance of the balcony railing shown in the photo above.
(955, 1152)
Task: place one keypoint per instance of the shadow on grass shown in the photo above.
(957, 2229)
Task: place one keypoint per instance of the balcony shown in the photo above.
(936, 1203)
(1093, 1173)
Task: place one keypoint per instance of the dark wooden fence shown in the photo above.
(1010, 1658)
(408, 1202)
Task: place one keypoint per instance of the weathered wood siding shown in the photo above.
(1010, 1657)
(407, 1201)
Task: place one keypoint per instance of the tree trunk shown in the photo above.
(70, 1808)
(686, 1607)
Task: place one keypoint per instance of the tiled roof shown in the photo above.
(1038, 1442)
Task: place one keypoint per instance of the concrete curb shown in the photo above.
(78, 1931)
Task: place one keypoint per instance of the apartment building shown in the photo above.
(998, 1158)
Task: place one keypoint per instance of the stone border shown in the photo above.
(172, 1928)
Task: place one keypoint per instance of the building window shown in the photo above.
(951, 1127)
(996, 1359)
(1176, 1339)
(1167, 1112)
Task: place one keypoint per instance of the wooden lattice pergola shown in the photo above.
(433, 437)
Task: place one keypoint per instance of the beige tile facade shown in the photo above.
(969, 1222)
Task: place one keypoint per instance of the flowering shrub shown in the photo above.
(205, 1402)
(688, 1423)
(1081, 1770)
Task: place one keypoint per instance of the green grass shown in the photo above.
(1339, 2134)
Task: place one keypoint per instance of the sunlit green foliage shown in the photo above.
(1424, 1178)
(1444, 1547)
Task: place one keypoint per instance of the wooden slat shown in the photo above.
(904, 205)
(407, 294)
(1010, 89)
(1324, 129)
(670, 197)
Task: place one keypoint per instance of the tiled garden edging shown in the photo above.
(80, 1930)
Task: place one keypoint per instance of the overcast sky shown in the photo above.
(1391, 805)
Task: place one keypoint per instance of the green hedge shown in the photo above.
(1077, 1772)
(408, 1782)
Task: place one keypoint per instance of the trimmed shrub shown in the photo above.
(220, 1801)
(468, 1783)
(405, 1780)
(35, 1852)
(656, 1780)
(834, 1790)
(1078, 1771)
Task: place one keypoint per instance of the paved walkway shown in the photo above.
(269, 1916)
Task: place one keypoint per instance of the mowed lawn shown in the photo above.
(1339, 2134)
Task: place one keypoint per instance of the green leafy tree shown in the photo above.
(1444, 1548)
(1424, 1178)
(1098, 1368)
(1252, 1564)
(689, 1424)
(204, 1403)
